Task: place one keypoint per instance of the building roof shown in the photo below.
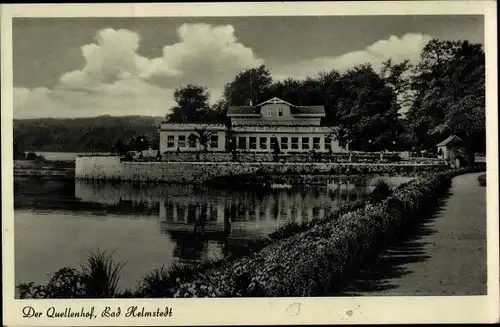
(308, 110)
(452, 140)
(165, 126)
(295, 110)
(243, 110)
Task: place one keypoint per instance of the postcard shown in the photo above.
(249, 163)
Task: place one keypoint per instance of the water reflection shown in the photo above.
(201, 222)
(205, 222)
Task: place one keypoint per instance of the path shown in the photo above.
(446, 255)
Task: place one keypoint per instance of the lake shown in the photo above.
(58, 223)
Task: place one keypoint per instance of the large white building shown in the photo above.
(255, 129)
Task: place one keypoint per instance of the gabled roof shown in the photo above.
(274, 100)
(451, 140)
(317, 111)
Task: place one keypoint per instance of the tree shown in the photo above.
(398, 77)
(449, 86)
(251, 85)
(141, 143)
(286, 90)
(342, 134)
(218, 112)
(365, 110)
(332, 88)
(201, 136)
(120, 148)
(18, 155)
(192, 105)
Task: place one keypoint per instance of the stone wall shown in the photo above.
(112, 168)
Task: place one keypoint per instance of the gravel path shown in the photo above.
(446, 255)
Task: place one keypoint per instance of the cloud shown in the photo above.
(122, 98)
(112, 57)
(408, 47)
(205, 55)
(116, 80)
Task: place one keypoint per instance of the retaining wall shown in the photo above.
(111, 168)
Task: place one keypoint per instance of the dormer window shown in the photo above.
(269, 112)
(280, 112)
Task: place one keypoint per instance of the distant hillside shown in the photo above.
(98, 134)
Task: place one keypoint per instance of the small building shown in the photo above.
(451, 150)
(192, 137)
(261, 128)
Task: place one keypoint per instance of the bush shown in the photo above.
(101, 275)
(482, 180)
(156, 283)
(98, 278)
(66, 283)
(382, 190)
(34, 157)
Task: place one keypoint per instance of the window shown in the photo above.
(305, 143)
(242, 143)
(269, 112)
(214, 141)
(316, 143)
(280, 112)
(182, 141)
(295, 143)
(253, 143)
(328, 143)
(170, 141)
(263, 143)
(192, 141)
(284, 143)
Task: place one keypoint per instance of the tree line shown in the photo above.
(96, 134)
(399, 107)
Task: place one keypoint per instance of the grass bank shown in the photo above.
(312, 259)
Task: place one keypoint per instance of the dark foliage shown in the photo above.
(97, 134)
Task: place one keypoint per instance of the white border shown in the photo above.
(268, 310)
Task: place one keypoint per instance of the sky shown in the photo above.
(84, 67)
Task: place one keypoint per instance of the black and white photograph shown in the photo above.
(242, 156)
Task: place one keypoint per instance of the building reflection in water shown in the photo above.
(206, 223)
